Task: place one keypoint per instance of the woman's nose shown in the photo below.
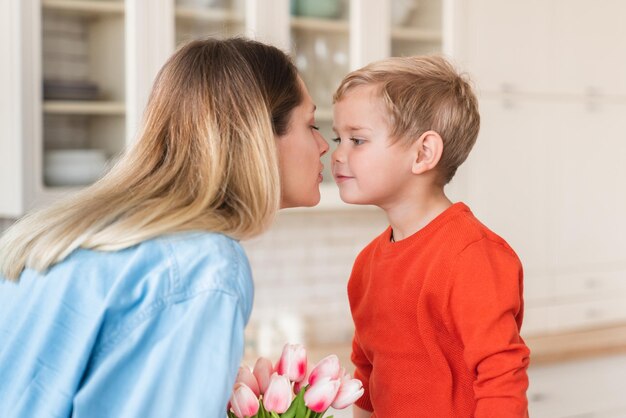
(322, 144)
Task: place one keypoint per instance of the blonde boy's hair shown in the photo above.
(206, 159)
(423, 93)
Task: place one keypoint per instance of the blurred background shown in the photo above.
(547, 172)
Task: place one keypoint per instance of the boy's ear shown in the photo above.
(427, 152)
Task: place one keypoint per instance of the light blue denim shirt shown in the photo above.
(155, 330)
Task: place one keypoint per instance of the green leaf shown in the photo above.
(301, 408)
(262, 412)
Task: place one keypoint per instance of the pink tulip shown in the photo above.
(349, 391)
(292, 362)
(327, 367)
(262, 371)
(320, 395)
(243, 402)
(277, 397)
(297, 386)
(246, 377)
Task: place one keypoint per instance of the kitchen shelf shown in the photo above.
(321, 25)
(215, 15)
(85, 7)
(83, 107)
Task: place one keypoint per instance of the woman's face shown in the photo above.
(299, 152)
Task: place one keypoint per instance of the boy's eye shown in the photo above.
(336, 140)
(357, 141)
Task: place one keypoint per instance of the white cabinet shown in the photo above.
(508, 175)
(79, 72)
(548, 176)
(549, 166)
(508, 45)
(589, 193)
(588, 47)
(76, 81)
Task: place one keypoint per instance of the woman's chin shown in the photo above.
(302, 201)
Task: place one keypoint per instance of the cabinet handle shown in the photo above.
(537, 397)
(508, 91)
(592, 283)
(593, 313)
(593, 98)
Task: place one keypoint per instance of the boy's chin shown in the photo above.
(353, 200)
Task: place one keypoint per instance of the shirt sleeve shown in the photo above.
(486, 309)
(362, 371)
(180, 361)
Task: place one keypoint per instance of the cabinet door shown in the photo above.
(590, 47)
(589, 192)
(509, 45)
(508, 182)
(564, 47)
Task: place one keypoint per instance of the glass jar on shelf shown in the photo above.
(320, 41)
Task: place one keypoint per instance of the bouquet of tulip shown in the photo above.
(289, 391)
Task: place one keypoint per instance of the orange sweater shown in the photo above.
(437, 319)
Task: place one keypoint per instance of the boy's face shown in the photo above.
(367, 168)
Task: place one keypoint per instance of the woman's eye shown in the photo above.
(317, 128)
(336, 140)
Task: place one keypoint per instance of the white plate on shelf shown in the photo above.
(73, 167)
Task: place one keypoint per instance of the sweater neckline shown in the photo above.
(386, 245)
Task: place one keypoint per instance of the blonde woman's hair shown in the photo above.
(423, 93)
(205, 159)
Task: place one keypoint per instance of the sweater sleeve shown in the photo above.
(362, 371)
(486, 309)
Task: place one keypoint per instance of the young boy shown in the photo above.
(437, 298)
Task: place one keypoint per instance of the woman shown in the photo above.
(130, 299)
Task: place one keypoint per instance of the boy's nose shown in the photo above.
(337, 155)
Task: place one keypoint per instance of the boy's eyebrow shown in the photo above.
(354, 128)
